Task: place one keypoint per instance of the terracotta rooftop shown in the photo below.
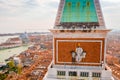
(15, 39)
(6, 44)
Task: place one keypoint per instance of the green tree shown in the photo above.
(11, 64)
(19, 68)
(3, 76)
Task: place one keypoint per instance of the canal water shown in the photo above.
(6, 53)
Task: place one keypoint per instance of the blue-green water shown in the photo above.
(6, 53)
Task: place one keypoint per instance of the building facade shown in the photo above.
(79, 42)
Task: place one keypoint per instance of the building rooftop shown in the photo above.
(15, 39)
(7, 44)
(79, 13)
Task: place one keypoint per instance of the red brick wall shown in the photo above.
(92, 49)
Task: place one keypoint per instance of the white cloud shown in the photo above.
(111, 13)
(114, 1)
(21, 15)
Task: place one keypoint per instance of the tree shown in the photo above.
(11, 64)
(19, 68)
(3, 76)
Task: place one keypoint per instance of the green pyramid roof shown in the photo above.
(79, 11)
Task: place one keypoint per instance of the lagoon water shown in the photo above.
(6, 53)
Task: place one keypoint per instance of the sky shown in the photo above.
(39, 15)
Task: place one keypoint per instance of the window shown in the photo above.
(84, 74)
(72, 73)
(61, 73)
(96, 74)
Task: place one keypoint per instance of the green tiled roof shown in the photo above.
(79, 11)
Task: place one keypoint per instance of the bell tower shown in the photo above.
(79, 42)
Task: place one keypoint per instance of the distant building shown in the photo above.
(17, 61)
(16, 40)
(11, 43)
(24, 37)
(27, 54)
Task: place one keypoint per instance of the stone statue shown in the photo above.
(78, 54)
(73, 56)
